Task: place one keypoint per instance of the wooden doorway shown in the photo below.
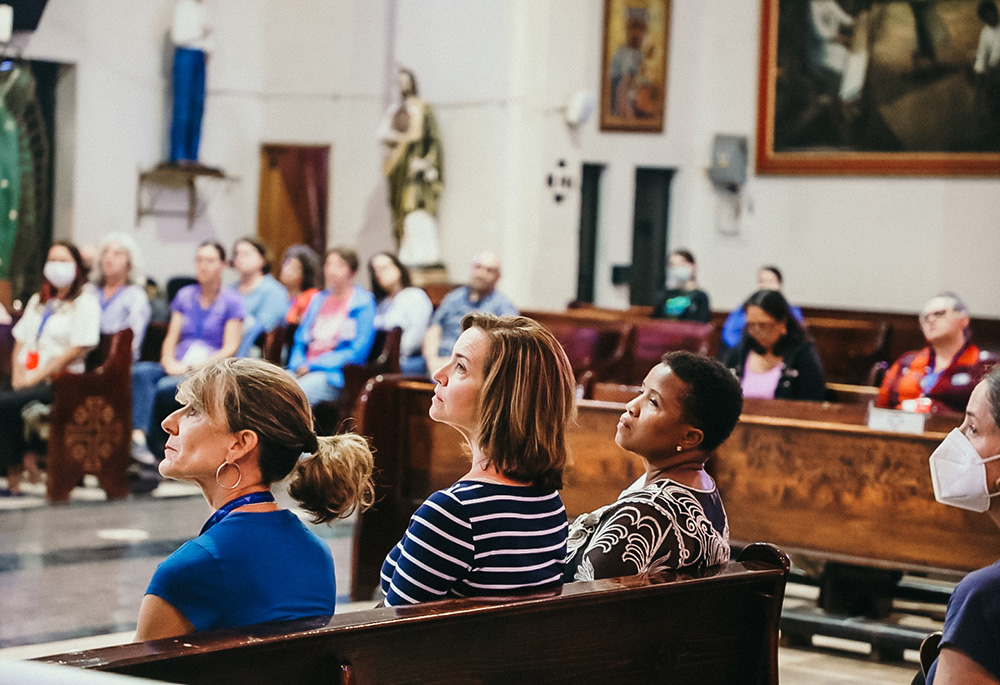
(293, 196)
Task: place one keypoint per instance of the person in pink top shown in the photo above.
(338, 328)
(775, 358)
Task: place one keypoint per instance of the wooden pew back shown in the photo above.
(809, 476)
(848, 348)
(713, 626)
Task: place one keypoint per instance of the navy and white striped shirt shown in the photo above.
(478, 539)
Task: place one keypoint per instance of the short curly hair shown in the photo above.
(713, 399)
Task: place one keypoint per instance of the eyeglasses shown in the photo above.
(927, 317)
(761, 326)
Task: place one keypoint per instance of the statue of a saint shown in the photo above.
(413, 168)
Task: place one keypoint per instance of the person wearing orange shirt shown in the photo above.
(944, 372)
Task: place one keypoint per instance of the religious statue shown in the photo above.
(413, 168)
(191, 37)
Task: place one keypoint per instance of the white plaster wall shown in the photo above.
(324, 86)
(497, 71)
(864, 242)
(119, 52)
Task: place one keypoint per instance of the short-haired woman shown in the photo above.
(244, 426)
(120, 282)
(399, 303)
(59, 325)
(775, 359)
(672, 517)
(501, 529)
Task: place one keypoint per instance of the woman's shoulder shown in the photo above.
(501, 496)
(667, 492)
(985, 582)
(413, 295)
(86, 299)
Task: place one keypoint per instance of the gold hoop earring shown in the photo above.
(239, 476)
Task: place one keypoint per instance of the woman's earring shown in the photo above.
(239, 476)
(680, 449)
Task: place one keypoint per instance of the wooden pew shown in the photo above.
(849, 348)
(807, 476)
(593, 345)
(810, 477)
(905, 332)
(713, 626)
(415, 456)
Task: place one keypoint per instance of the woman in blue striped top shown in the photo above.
(501, 529)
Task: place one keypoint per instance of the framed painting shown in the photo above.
(878, 87)
(634, 65)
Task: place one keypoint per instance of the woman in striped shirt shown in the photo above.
(501, 529)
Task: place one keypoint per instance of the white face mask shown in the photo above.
(677, 276)
(959, 474)
(59, 274)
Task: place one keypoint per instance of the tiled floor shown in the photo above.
(72, 577)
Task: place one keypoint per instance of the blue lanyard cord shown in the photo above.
(49, 309)
(227, 508)
(105, 301)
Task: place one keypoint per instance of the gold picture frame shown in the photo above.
(886, 88)
(634, 65)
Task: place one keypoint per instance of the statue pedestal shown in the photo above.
(430, 275)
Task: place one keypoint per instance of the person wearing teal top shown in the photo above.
(243, 426)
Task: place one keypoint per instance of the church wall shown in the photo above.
(119, 51)
(497, 72)
(864, 242)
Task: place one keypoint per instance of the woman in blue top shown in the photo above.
(965, 472)
(243, 426)
(338, 328)
(501, 530)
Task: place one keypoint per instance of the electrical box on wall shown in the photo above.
(621, 274)
(729, 162)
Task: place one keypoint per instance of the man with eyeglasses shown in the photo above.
(941, 376)
(480, 295)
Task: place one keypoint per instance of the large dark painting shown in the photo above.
(876, 87)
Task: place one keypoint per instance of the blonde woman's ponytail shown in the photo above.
(336, 479)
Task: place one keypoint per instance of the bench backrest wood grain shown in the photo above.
(715, 626)
(808, 476)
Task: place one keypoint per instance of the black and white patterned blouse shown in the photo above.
(664, 525)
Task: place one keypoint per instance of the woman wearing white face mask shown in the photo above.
(59, 325)
(965, 470)
(682, 299)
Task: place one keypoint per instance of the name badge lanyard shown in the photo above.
(106, 301)
(31, 360)
(227, 508)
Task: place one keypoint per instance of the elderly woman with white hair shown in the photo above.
(118, 278)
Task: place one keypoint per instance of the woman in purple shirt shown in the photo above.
(206, 322)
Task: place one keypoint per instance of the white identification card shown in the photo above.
(895, 421)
